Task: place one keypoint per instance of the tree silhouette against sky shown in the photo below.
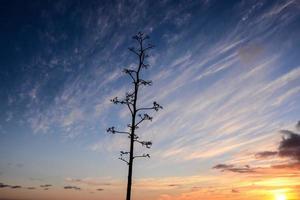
(138, 115)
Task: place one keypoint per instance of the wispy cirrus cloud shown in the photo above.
(225, 85)
(237, 110)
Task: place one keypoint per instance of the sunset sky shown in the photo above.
(227, 74)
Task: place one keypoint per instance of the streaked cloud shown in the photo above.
(226, 75)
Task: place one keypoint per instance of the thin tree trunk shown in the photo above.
(129, 181)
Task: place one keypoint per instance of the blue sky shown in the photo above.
(226, 72)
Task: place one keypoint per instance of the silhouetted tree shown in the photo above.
(138, 115)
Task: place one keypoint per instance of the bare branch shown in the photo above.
(155, 107)
(145, 65)
(148, 144)
(130, 72)
(124, 160)
(129, 99)
(142, 156)
(116, 100)
(149, 46)
(130, 109)
(124, 153)
(121, 156)
(113, 131)
(132, 49)
(144, 82)
(135, 137)
(140, 37)
(143, 118)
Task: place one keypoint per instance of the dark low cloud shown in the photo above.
(69, 187)
(197, 187)
(290, 145)
(266, 154)
(173, 185)
(87, 182)
(100, 189)
(4, 185)
(235, 191)
(15, 187)
(223, 166)
(233, 168)
(290, 165)
(46, 186)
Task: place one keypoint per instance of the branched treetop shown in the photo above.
(138, 114)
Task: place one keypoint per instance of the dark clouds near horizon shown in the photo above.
(2, 185)
(70, 187)
(233, 168)
(289, 147)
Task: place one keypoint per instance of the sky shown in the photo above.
(227, 74)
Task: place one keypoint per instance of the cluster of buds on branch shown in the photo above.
(111, 130)
(148, 144)
(156, 106)
(143, 82)
(127, 100)
(145, 117)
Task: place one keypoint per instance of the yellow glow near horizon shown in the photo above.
(280, 196)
